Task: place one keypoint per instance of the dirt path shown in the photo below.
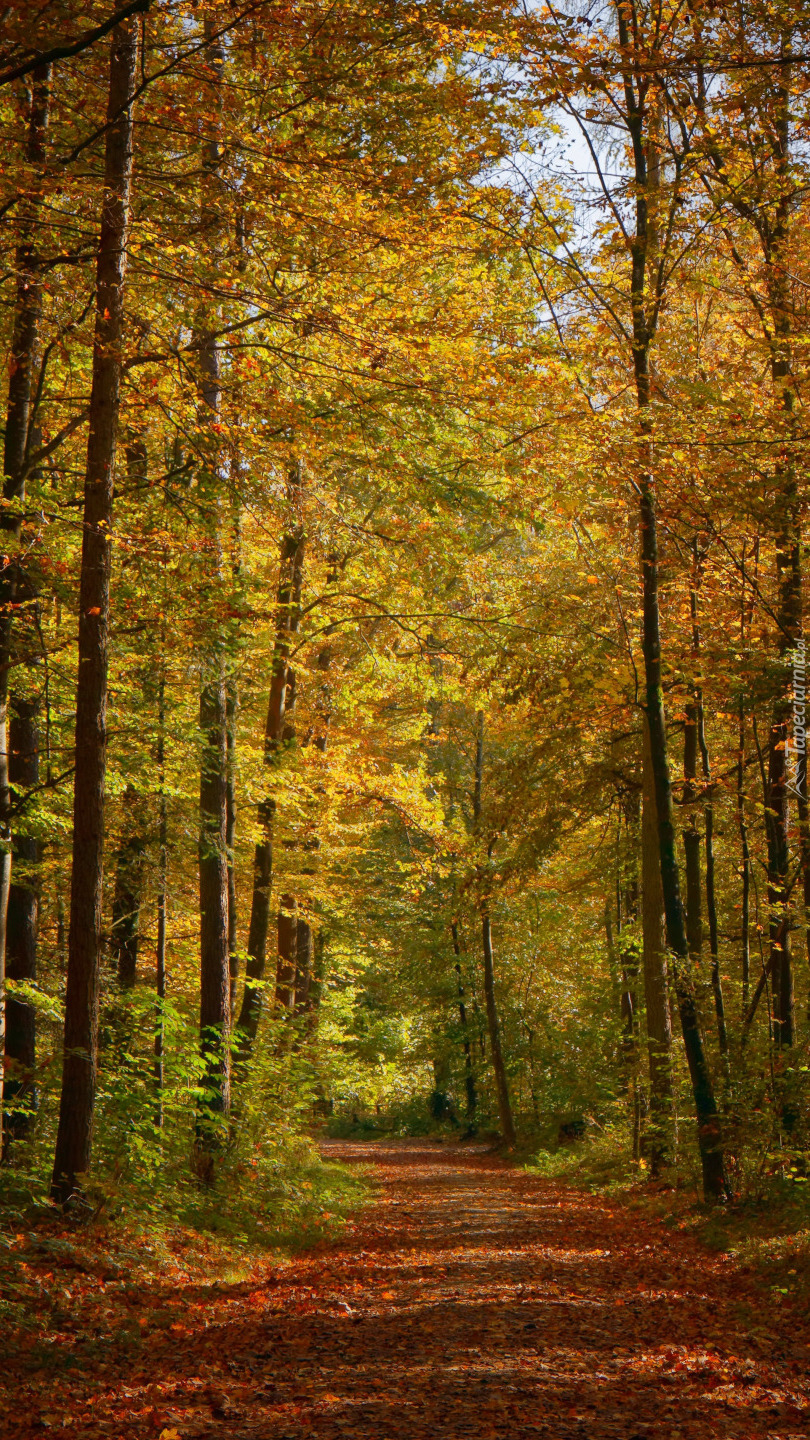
(470, 1301)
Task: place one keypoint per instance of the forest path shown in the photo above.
(469, 1300)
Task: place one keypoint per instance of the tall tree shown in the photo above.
(77, 1099)
(17, 1020)
(215, 934)
(288, 614)
(493, 1020)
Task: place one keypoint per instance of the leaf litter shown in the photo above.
(471, 1299)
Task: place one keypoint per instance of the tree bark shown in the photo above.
(691, 839)
(291, 570)
(646, 286)
(17, 930)
(215, 980)
(162, 896)
(493, 1023)
(469, 1072)
(696, 713)
(287, 953)
(126, 911)
(303, 965)
(493, 1026)
(709, 1132)
(788, 568)
(215, 965)
(21, 1097)
(658, 1142)
(77, 1101)
(746, 616)
(230, 840)
(627, 915)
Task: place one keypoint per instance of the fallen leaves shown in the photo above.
(484, 1303)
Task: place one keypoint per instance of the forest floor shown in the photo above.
(469, 1299)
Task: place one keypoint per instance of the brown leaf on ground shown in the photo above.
(471, 1301)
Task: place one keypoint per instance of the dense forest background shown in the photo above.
(402, 682)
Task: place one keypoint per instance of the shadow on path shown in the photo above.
(470, 1300)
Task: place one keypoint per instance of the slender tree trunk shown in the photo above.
(230, 840)
(163, 854)
(303, 965)
(691, 838)
(627, 914)
(711, 898)
(23, 914)
(316, 984)
(287, 953)
(24, 346)
(493, 1026)
(126, 911)
(745, 866)
(804, 841)
(777, 813)
(215, 969)
(493, 1023)
(696, 704)
(469, 1072)
(73, 1141)
(291, 569)
(788, 574)
(658, 1142)
(709, 1132)
(259, 931)
(647, 284)
(746, 616)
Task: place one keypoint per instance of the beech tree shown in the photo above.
(72, 1154)
(407, 421)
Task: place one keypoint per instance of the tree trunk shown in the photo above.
(745, 857)
(287, 953)
(291, 569)
(778, 813)
(788, 570)
(215, 968)
(303, 965)
(126, 911)
(73, 1141)
(627, 914)
(696, 712)
(746, 616)
(469, 1073)
(658, 1142)
(21, 938)
(647, 283)
(316, 984)
(230, 840)
(691, 839)
(14, 1016)
(493, 1023)
(711, 897)
(493, 1026)
(215, 980)
(709, 1132)
(163, 852)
